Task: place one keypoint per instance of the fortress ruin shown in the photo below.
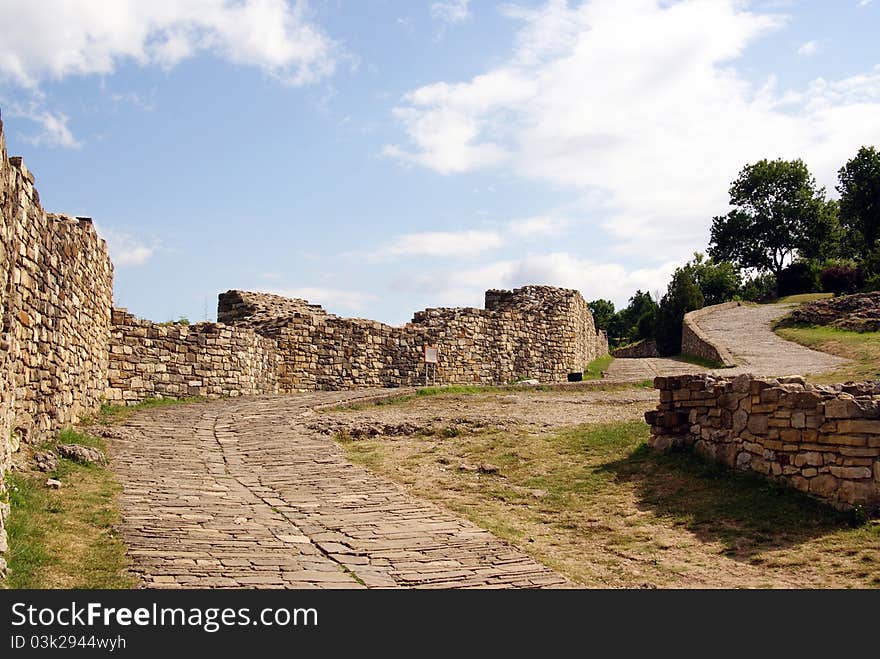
(64, 349)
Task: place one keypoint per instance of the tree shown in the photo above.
(641, 304)
(603, 313)
(778, 213)
(683, 295)
(718, 281)
(859, 188)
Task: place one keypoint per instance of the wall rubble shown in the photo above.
(822, 440)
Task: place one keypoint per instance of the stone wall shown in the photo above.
(55, 299)
(211, 360)
(639, 350)
(695, 342)
(533, 332)
(823, 440)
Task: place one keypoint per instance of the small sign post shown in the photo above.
(432, 356)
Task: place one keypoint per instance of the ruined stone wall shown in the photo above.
(55, 299)
(533, 332)
(695, 342)
(823, 440)
(639, 350)
(209, 360)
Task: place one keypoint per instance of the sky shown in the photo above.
(383, 156)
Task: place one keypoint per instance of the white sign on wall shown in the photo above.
(432, 354)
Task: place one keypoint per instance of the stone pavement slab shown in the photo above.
(240, 494)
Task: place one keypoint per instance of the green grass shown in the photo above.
(802, 298)
(863, 348)
(112, 413)
(700, 361)
(65, 538)
(595, 368)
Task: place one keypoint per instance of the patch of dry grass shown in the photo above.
(596, 504)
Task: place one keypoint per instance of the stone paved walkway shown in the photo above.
(238, 493)
(747, 332)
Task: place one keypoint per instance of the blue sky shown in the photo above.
(379, 157)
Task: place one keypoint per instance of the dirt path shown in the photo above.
(240, 493)
(747, 332)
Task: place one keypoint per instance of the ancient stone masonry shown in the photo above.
(533, 332)
(55, 299)
(209, 360)
(638, 350)
(695, 341)
(823, 440)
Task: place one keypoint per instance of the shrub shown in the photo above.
(841, 279)
(872, 283)
(799, 277)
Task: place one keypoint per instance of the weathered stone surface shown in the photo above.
(55, 300)
(785, 436)
(242, 493)
(268, 344)
(859, 312)
(83, 454)
(46, 461)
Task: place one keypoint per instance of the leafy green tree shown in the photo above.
(603, 313)
(682, 295)
(778, 213)
(859, 188)
(641, 304)
(718, 281)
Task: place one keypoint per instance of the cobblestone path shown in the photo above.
(239, 493)
(747, 332)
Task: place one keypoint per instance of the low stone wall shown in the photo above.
(210, 360)
(823, 440)
(640, 350)
(695, 342)
(55, 298)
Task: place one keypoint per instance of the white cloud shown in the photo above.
(593, 279)
(328, 297)
(452, 11)
(53, 130)
(126, 249)
(439, 244)
(809, 48)
(540, 225)
(865, 3)
(654, 121)
(54, 40)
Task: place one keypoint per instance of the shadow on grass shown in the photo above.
(745, 512)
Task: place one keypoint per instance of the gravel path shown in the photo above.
(240, 493)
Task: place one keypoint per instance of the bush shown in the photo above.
(872, 283)
(646, 325)
(799, 277)
(842, 279)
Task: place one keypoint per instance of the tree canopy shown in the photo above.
(859, 188)
(778, 213)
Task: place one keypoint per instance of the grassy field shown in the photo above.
(595, 503)
(862, 348)
(65, 538)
